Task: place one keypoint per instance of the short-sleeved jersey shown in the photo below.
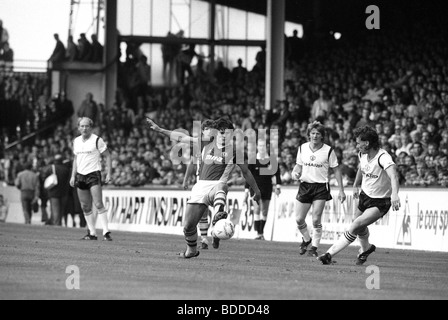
(217, 164)
(375, 181)
(88, 158)
(315, 164)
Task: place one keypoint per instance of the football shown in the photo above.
(224, 229)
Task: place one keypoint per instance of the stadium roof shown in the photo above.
(348, 15)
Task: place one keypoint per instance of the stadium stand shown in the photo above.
(397, 83)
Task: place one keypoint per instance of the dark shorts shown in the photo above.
(266, 192)
(85, 182)
(365, 202)
(308, 192)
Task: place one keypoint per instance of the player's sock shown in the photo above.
(103, 217)
(363, 238)
(262, 224)
(191, 237)
(257, 226)
(303, 228)
(90, 223)
(342, 243)
(203, 227)
(220, 202)
(257, 221)
(94, 217)
(317, 235)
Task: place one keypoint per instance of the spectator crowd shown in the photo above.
(83, 50)
(396, 83)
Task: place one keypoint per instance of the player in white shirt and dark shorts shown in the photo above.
(86, 176)
(314, 160)
(379, 192)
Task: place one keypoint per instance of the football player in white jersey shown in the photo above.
(378, 177)
(314, 160)
(211, 187)
(86, 175)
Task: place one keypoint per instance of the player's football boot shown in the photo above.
(218, 216)
(107, 237)
(304, 246)
(184, 255)
(362, 257)
(325, 258)
(204, 245)
(215, 243)
(312, 252)
(89, 237)
(259, 237)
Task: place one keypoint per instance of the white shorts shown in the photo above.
(203, 192)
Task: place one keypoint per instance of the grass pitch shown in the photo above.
(36, 263)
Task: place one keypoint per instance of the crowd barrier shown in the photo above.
(420, 224)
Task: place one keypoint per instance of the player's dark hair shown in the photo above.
(223, 124)
(369, 134)
(207, 123)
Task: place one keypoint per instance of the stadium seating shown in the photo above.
(394, 83)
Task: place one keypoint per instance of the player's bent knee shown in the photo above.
(357, 228)
(101, 210)
(99, 205)
(87, 210)
(317, 222)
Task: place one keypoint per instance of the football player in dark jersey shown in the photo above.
(218, 161)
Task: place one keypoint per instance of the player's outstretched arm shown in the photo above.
(173, 134)
(251, 181)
